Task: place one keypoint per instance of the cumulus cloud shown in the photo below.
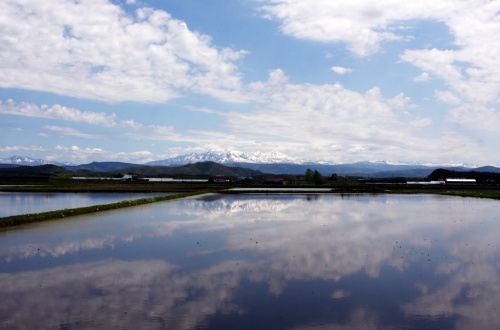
(75, 153)
(423, 77)
(10, 107)
(60, 112)
(362, 25)
(96, 50)
(147, 55)
(334, 123)
(341, 69)
(470, 68)
(480, 118)
(447, 97)
(421, 123)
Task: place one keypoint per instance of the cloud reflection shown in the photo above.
(275, 241)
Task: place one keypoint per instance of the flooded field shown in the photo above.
(259, 262)
(15, 203)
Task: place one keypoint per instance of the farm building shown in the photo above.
(220, 178)
(460, 181)
(274, 180)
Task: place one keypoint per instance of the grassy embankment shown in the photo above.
(17, 220)
(54, 186)
(190, 189)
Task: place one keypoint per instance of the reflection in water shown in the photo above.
(246, 262)
(16, 203)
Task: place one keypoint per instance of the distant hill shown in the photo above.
(34, 171)
(273, 163)
(490, 169)
(361, 169)
(406, 173)
(109, 169)
(101, 166)
(197, 169)
(279, 163)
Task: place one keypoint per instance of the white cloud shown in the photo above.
(363, 25)
(202, 109)
(94, 49)
(56, 111)
(24, 148)
(60, 112)
(109, 54)
(69, 131)
(471, 69)
(77, 154)
(341, 70)
(421, 123)
(80, 154)
(135, 131)
(422, 78)
(330, 122)
(480, 118)
(447, 97)
(140, 156)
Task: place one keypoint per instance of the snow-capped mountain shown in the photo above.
(270, 162)
(27, 161)
(427, 164)
(238, 157)
(229, 157)
(278, 163)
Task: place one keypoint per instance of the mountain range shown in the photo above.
(27, 161)
(228, 157)
(273, 163)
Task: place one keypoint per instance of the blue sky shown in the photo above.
(339, 81)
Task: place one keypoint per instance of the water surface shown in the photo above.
(15, 203)
(260, 262)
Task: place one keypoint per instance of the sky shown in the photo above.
(339, 81)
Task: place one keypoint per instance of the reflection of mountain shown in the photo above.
(230, 205)
(189, 261)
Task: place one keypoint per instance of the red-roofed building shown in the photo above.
(274, 180)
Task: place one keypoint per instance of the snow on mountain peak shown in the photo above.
(19, 160)
(409, 163)
(228, 157)
(27, 161)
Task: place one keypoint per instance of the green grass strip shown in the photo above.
(17, 220)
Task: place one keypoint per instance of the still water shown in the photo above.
(15, 203)
(259, 262)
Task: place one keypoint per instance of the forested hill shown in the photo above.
(480, 177)
(33, 171)
(199, 169)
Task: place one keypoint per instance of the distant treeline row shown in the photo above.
(480, 177)
(205, 169)
(209, 170)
